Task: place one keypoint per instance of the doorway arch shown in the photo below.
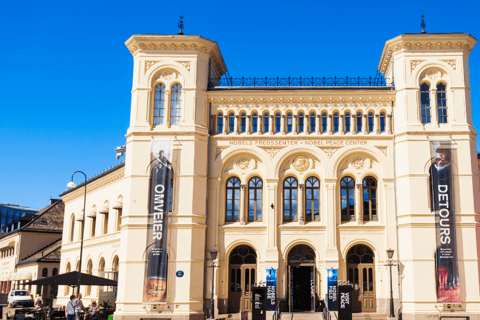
(301, 275)
(361, 273)
(242, 277)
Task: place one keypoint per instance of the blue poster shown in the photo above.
(271, 302)
(332, 289)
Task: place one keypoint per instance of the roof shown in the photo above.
(49, 253)
(17, 207)
(49, 219)
(94, 178)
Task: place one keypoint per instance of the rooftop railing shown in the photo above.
(227, 81)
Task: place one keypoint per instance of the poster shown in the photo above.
(271, 289)
(345, 302)
(332, 281)
(155, 284)
(443, 202)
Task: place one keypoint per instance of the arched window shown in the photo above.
(278, 122)
(231, 123)
(232, 211)
(301, 120)
(266, 121)
(359, 122)
(312, 199)
(159, 109)
(119, 217)
(54, 272)
(335, 122)
(255, 199)
(44, 272)
(347, 189)
(290, 194)
(255, 123)
(105, 222)
(442, 103)
(175, 110)
(289, 122)
(243, 123)
(220, 123)
(312, 122)
(370, 199)
(93, 226)
(347, 122)
(88, 289)
(370, 122)
(324, 122)
(382, 122)
(425, 103)
(72, 227)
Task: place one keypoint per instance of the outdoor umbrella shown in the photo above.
(71, 279)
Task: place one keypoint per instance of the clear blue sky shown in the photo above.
(66, 75)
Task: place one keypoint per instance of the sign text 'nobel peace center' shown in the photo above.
(296, 142)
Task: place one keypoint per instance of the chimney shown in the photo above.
(52, 201)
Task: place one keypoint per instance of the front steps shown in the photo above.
(301, 316)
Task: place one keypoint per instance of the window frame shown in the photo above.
(291, 200)
(243, 122)
(372, 197)
(312, 121)
(234, 200)
(266, 122)
(371, 121)
(231, 122)
(312, 188)
(255, 199)
(176, 104)
(383, 122)
(220, 123)
(289, 122)
(425, 103)
(350, 207)
(254, 122)
(161, 104)
(324, 122)
(347, 121)
(358, 122)
(278, 122)
(336, 122)
(442, 117)
(301, 122)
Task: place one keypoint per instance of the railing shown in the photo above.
(276, 314)
(326, 312)
(226, 81)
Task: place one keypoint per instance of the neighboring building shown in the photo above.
(33, 250)
(298, 175)
(13, 212)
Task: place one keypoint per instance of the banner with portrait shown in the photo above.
(155, 284)
(443, 203)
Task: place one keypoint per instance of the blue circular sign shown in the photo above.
(179, 273)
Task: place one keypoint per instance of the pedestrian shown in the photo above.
(70, 310)
(79, 307)
(38, 298)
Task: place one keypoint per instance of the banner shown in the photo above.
(443, 202)
(271, 289)
(155, 284)
(345, 307)
(332, 281)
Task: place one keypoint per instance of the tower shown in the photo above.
(433, 102)
(169, 101)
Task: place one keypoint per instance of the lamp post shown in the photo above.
(213, 255)
(390, 264)
(72, 184)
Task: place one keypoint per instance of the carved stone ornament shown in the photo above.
(219, 150)
(168, 75)
(272, 152)
(186, 64)
(330, 151)
(432, 74)
(358, 162)
(243, 163)
(415, 63)
(149, 64)
(451, 63)
(301, 163)
(384, 150)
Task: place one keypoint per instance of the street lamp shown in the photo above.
(390, 264)
(72, 184)
(213, 255)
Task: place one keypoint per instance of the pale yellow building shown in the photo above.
(297, 176)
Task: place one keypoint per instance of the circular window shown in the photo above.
(360, 254)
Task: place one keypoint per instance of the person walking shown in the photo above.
(70, 309)
(79, 307)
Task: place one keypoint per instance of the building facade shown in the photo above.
(12, 212)
(300, 176)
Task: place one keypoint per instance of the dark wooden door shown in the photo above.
(241, 280)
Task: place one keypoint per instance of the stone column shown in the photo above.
(353, 123)
(365, 123)
(433, 107)
(301, 211)
(260, 124)
(272, 123)
(306, 124)
(225, 124)
(388, 121)
(330, 124)
(376, 127)
(342, 124)
(243, 187)
(282, 124)
(167, 107)
(235, 126)
(319, 123)
(247, 124)
(358, 202)
(294, 124)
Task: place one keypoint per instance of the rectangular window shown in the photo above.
(277, 123)
(312, 122)
(300, 123)
(347, 122)
(359, 122)
(266, 121)
(324, 122)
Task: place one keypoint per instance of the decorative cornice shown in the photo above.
(448, 42)
(100, 183)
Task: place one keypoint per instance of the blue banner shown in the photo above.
(271, 302)
(332, 289)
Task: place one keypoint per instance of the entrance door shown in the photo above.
(302, 285)
(242, 276)
(361, 273)
(301, 262)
